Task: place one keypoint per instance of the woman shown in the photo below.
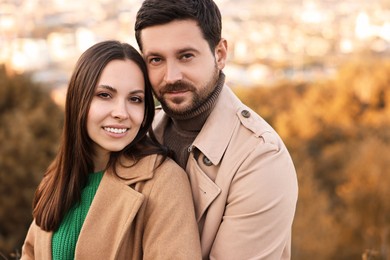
(112, 192)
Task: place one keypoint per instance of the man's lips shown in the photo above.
(176, 91)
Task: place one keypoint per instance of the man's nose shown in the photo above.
(173, 73)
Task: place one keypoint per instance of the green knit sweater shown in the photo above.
(65, 238)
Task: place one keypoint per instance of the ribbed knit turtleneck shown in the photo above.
(65, 238)
(182, 129)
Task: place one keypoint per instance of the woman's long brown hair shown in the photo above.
(68, 173)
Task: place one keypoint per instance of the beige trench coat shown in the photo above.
(155, 220)
(243, 182)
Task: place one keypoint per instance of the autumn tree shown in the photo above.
(29, 135)
(337, 133)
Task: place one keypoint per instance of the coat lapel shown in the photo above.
(204, 190)
(215, 135)
(111, 213)
(43, 244)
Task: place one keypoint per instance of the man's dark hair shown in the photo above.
(158, 12)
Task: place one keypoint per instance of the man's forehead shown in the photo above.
(176, 36)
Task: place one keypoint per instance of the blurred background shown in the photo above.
(317, 70)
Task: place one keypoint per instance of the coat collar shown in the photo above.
(130, 172)
(211, 133)
(112, 211)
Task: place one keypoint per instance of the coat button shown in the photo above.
(245, 113)
(207, 161)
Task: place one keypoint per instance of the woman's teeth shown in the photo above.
(115, 130)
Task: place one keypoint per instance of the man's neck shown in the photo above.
(195, 119)
(181, 132)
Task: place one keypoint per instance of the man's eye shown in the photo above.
(187, 56)
(154, 60)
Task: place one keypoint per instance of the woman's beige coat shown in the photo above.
(153, 220)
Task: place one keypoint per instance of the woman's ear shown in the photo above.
(221, 53)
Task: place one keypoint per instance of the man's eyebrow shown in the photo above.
(151, 54)
(188, 49)
(180, 51)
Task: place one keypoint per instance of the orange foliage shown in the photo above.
(338, 134)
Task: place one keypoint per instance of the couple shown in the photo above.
(113, 191)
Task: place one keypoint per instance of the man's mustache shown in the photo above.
(177, 86)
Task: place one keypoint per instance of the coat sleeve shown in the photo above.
(28, 246)
(171, 231)
(260, 207)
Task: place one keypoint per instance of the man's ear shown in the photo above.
(221, 53)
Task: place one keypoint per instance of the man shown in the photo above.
(243, 180)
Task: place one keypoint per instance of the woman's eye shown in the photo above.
(103, 95)
(136, 99)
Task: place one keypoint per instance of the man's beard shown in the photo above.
(198, 98)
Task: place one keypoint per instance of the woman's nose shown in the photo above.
(119, 110)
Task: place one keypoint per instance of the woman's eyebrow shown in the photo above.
(137, 91)
(107, 87)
